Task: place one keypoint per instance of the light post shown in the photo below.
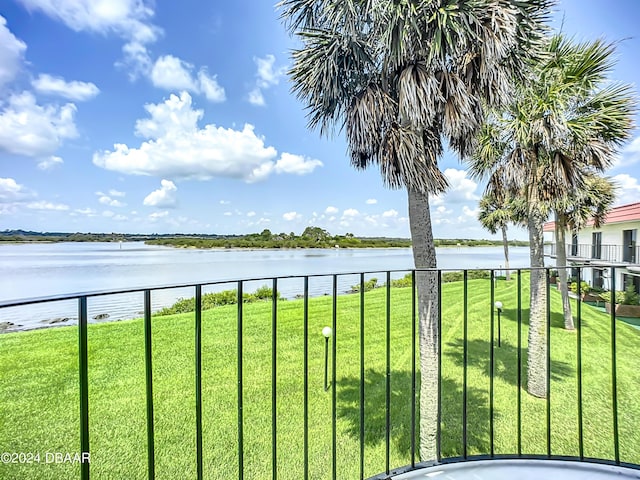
(498, 305)
(326, 332)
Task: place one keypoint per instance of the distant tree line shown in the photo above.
(311, 237)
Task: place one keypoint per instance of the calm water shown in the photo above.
(36, 270)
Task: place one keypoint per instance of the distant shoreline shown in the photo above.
(312, 237)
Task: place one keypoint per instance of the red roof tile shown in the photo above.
(623, 213)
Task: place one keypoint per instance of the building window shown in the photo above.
(574, 245)
(597, 280)
(629, 238)
(596, 245)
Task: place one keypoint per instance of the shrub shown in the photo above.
(606, 296)
(584, 287)
(216, 299)
(403, 282)
(630, 296)
(448, 277)
(368, 285)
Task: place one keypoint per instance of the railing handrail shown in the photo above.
(99, 293)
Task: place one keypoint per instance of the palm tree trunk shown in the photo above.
(424, 256)
(505, 244)
(537, 357)
(561, 265)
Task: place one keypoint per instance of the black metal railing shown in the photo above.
(376, 415)
(605, 253)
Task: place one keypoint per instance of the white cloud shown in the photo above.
(89, 212)
(461, 188)
(209, 87)
(11, 53)
(110, 202)
(108, 214)
(371, 201)
(158, 215)
(74, 90)
(228, 214)
(172, 73)
(177, 148)
(116, 193)
(296, 164)
(120, 218)
(267, 76)
(224, 202)
(11, 191)
(44, 205)
(470, 212)
(390, 213)
(27, 128)
(331, 210)
(289, 216)
(129, 19)
(628, 189)
(350, 212)
(256, 97)
(50, 163)
(136, 60)
(436, 200)
(164, 197)
(629, 155)
(251, 214)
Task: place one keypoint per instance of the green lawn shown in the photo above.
(39, 389)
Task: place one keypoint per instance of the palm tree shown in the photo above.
(572, 211)
(403, 78)
(566, 121)
(495, 214)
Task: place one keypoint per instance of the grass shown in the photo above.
(39, 389)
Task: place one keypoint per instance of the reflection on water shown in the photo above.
(36, 270)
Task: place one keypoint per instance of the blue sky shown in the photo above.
(134, 116)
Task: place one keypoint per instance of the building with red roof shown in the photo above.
(614, 243)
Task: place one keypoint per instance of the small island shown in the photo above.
(311, 237)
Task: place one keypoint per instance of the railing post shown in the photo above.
(519, 394)
(334, 431)
(84, 387)
(151, 464)
(439, 426)
(362, 376)
(491, 365)
(464, 362)
(413, 369)
(198, 342)
(614, 370)
(305, 367)
(579, 367)
(240, 386)
(548, 360)
(274, 378)
(387, 437)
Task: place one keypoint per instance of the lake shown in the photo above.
(37, 270)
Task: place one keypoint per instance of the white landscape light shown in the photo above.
(326, 332)
(499, 305)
